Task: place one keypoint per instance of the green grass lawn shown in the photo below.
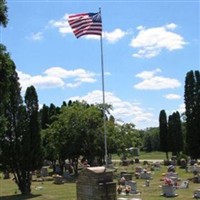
(156, 155)
(67, 191)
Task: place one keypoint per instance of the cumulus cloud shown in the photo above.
(111, 37)
(62, 25)
(123, 111)
(57, 77)
(79, 75)
(39, 81)
(150, 81)
(115, 35)
(151, 41)
(36, 36)
(172, 96)
(148, 74)
(181, 108)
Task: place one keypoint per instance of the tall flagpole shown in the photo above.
(103, 94)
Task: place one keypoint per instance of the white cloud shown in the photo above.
(181, 108)
(171, 26)
(73, 85)
(115, 35)
(27, 80)
(153, 82)
(62, 25)
(111, 37)
(172, 96)
(80, 75)
(36, 36)
(57, 77)
(122, 110)
(150, 42)
(148, 74)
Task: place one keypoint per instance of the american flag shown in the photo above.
(86, 24)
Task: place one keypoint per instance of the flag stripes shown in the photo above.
(86, 24)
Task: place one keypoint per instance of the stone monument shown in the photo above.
(96, 183)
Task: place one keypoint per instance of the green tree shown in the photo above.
(76, 132)
(151, 140)
(6, 71)
(3, 13)
(10, 102)
(172, 134)
(16, 152)
(110, 133)
(126, 136)
(44, 117)
(33, 133)
(163, 132)
(192, 106)
(178, 133)
(147, 143)
(29, 155)
(5, 67)
(53, 112)
(16, 155)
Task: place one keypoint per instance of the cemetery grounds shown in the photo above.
(46, 190)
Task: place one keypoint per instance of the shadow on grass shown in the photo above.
(19, 197)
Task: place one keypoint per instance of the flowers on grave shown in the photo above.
(127, 189)
(168, 181)
(119, 189)
(122, 180)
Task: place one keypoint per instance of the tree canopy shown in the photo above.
(163, 132)
(3, 13)
(192, 106)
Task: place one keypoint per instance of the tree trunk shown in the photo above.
(75, 165)
(167, 156)
(24, 183)
(26, 189)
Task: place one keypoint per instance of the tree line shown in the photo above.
(178, 136)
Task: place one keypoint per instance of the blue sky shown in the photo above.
(148, 47)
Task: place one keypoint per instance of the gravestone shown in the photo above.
(127, 176)
(133, 186)
(168, 191)
(145, 175)
(58, 179)
(197, 194)
(95, 183)
(6, 175)
(44, 171)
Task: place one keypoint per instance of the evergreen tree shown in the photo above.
(18, 127)
(44, 117)
(33, 133)
(14, 115)
(172, 134)
(192, 106)
(163, 132)
(20, 141)
(3, 13)
(5, 67)
(6, 71)
(179, 133)
(53, 112)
